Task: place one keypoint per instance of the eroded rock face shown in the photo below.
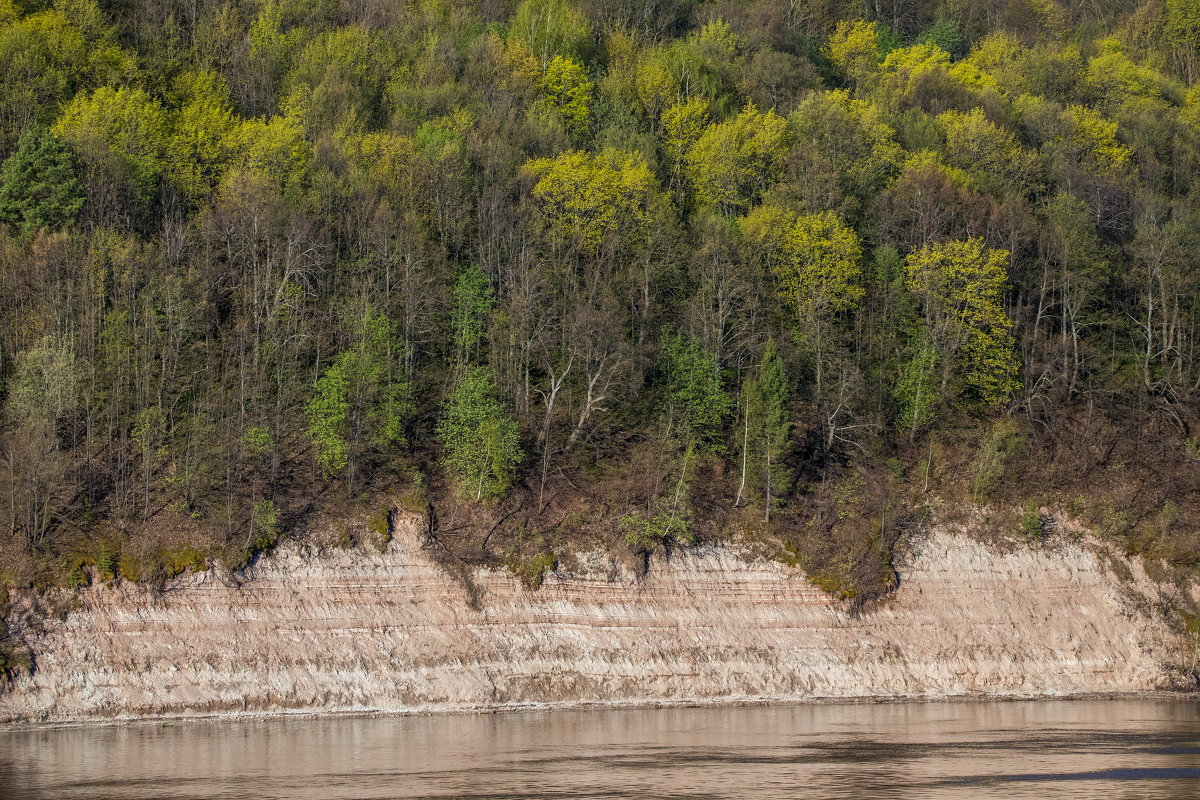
(342, 631)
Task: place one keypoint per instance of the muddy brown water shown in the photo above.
(1111, 749)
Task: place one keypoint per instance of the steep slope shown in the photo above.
(356, 631)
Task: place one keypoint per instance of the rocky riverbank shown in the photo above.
(350, 631)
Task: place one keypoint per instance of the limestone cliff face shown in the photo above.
(345, 631)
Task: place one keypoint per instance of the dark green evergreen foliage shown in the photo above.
(40, 187)
(696, 402)
(944, 33)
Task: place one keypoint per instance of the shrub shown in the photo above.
(532, 571)
(1032, 524)
(645, 533)
(380, 527)
(176, 562)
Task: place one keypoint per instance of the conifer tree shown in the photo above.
(39, 183)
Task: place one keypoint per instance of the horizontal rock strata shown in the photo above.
(355, 630)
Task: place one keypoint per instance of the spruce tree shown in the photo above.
(39, 183)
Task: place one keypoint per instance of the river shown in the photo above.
(1112, 749)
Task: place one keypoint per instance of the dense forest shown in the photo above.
(638, 274)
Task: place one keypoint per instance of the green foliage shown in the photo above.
(480, 441)
(264, 526)
(45, 384)
(916, 393)
(944, 33)
(363, 399)
(592, 198)
(732, 162)
(569, 90)
(120, 130)
(857, 48)
(379, 525)
(304, 220)
(472, 295)
(851, 136)
(767, 429)
(39, 184)
(961, 286)
(204, 140)
(531, 571)
(990, 153)
(818, 262)
(683, 125)
(173, 563)
(550, 28)
(1033, 527)
(646, 533)
(327, 412)
(696, 400)
(258, 440)
(44, 59)
(1000, 446)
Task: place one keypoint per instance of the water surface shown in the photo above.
(1111, 749)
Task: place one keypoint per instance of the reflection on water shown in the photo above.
(1112, 749)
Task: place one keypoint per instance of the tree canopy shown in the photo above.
(565, 272)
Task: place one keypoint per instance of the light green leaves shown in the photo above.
(480, 439)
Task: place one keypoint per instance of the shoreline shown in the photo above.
(326, 635)
(171, 720)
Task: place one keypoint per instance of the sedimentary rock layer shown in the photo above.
(357, 630)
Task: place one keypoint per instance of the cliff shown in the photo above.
(357, 631)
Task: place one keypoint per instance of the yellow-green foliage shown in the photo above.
(646, 533)
(130, 568)
(121, 128)
(176, 562)
(731, 162)
(1002, 443)
(823, 271)
(961, 288)
(1032, 526)
(683, 123)
(204, 141)
(990, 153)
(1090, 138)
(549, 28)
(1113, 78)
(569, 90)
(851, 136)
(816, 258)
(854, 48)
(380, 526)
(590, 197)
(273, 148)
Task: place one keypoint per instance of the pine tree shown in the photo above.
(39, 183)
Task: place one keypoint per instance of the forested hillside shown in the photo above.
(634, 273)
